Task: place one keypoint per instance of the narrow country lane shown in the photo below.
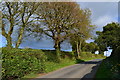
(75, 72)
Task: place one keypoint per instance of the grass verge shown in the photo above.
(103, 70)
(108, 70)
(110, 67)
(52, 66)
(30, 63)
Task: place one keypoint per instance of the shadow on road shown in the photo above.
(91, 62)
(93, 71)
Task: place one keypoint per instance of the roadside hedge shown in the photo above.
(18, 62)
(110, 67)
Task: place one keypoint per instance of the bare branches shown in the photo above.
(64, 21)
(17, 14)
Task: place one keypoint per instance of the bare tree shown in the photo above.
(10, 13)
(17, 14)
(27, 17)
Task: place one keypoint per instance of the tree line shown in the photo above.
(58, 20)
(109, 37)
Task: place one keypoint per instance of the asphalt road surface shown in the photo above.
(79, 71)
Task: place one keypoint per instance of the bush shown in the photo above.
(18, 62)
(79, 60)
(83, 55)
(69, 55)
(115, 61)
(116, 55)
(51, 55)
(110, 67)
(89, 54)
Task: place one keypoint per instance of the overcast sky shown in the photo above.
(102, 14)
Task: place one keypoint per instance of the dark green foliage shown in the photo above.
(90, 47)
(52, 56)
(110, 67)
(69, 55)
(89, 55)
(116, 54)
(104, 70)
(79, 60)
(19, 62)
(115, 59)
(109, 37)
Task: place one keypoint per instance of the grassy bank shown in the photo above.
(89, 56)
(17, 63)
(104, 70)
(30, 63)
(110, 67)
(52, 66)
(108, 70)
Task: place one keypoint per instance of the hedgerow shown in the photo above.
(18, 62)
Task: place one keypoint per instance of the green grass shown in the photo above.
(104, 70)
(89, 56)
(52, 66)
(32, 75)
(108, 69)
(0, 62)
(87, 59)
(48, 58)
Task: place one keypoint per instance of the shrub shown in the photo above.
(89, 54)
(83, 55)
(51, 55)
(79, 60)
(116, 55)
(115, 60)
(69, 55)
(110, 67)
(18, 62)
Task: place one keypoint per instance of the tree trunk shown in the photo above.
(80, 48)
(74, 48)
(57, 48)
(77, 45)
(20, 37)
(9, 42)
